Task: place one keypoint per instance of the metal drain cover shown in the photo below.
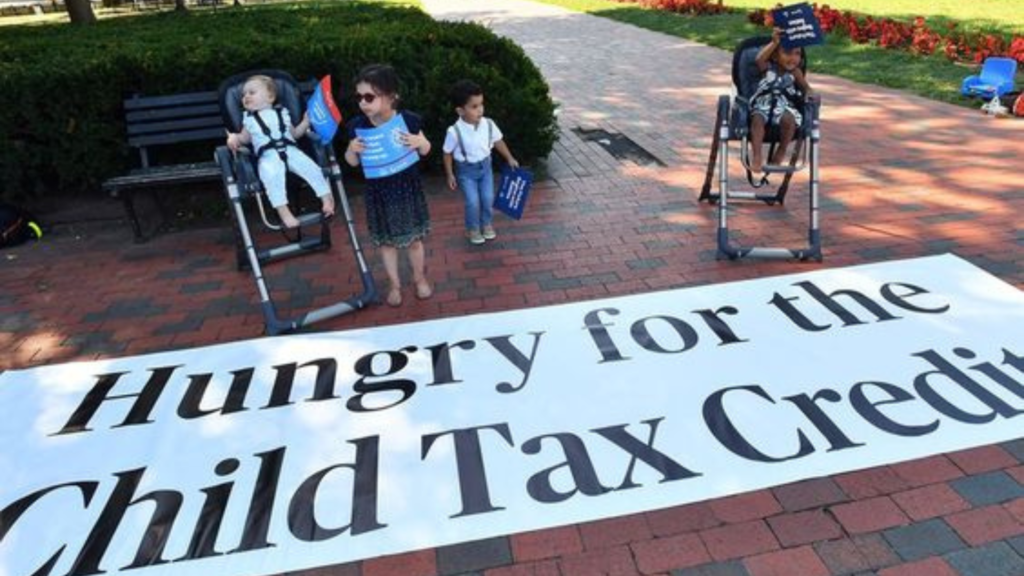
(619, 146)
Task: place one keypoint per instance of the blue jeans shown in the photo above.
(476, 180)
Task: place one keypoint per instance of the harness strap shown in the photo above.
(750, 178)
(776, 90)
(280, 144)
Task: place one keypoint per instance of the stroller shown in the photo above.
(732, 123)
(242, 184)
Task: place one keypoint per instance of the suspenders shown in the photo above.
(462, 147)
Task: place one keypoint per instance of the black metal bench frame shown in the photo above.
(154, 121)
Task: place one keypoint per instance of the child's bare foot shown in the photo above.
(779, 157)
(756, 163)
(288, 220)
(423, 289)
(328, 204)
(394, 298)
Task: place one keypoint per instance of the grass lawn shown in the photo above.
(934, 77)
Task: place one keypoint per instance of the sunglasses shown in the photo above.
(368, 97)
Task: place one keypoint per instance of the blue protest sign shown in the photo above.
(385, 154)
(799, 25)
(513, 192)
(324, 116)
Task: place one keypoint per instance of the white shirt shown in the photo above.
(474, 140)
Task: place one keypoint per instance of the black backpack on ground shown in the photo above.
(17, 225)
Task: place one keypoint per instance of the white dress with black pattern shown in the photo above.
(777, 94)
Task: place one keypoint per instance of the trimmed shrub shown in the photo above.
(61, 113)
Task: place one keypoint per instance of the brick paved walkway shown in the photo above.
(901, 177)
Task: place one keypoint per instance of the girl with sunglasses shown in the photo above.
(396, 208)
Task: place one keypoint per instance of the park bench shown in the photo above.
(35, 5)
(161, 121)
(39, 6)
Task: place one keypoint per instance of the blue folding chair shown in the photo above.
(996, 78)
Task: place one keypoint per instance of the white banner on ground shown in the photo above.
(280, 454)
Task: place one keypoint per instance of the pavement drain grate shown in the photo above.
(619, 146)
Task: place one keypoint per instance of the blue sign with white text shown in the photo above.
(799, 25)
(513, 192)
(385, 154)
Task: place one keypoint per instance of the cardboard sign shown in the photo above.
(324, 116)
(514, 191)
(799, 26)
(385, 154)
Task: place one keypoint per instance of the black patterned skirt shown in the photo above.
(396, 209)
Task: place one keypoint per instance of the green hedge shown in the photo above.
(60, 110)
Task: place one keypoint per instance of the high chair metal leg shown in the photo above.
(721, 117)
(781, 193)
(255, 259)
(813, 248)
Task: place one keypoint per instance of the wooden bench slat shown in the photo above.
(164, 113)
(206, 168)
(140, 129)
(137, 102)
(177, 174)
(179, 136)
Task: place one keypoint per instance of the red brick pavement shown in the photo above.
(901, 177)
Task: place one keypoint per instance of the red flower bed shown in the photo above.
(914, 36)
(696, 7)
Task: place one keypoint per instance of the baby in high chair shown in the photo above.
(268, 128)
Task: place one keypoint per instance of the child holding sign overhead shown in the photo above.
(396, 208)
(776, 100)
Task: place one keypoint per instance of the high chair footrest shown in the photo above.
(779, 169)
(311, 218)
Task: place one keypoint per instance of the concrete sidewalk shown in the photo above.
(901, 177)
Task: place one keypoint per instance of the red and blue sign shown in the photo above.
(324, 116)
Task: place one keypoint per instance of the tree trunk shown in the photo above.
(180, 6)
(80, 11)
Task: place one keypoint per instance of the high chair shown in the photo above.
(732, 123)
(242, 185)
